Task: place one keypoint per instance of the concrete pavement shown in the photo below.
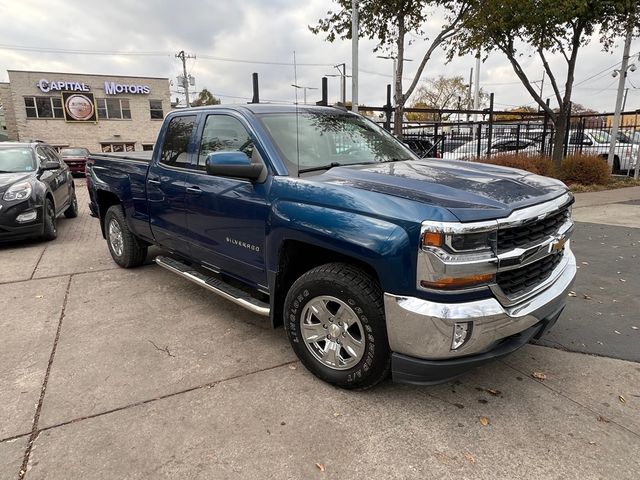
(110, 373)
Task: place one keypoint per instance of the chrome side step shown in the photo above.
(214, 285)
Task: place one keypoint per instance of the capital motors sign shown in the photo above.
(113, 88)
(110, 88)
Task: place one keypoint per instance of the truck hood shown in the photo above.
(8, 179)
(470, 191)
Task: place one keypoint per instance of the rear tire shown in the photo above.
(126, 249)
(334, 319)
(50, 231)
(72, 209)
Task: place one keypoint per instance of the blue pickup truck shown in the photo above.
(373, 260)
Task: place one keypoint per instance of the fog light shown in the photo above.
(461, 333)
(27, 217)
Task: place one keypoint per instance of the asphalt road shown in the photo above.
(604, 316)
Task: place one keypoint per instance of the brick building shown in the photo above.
(100, 112)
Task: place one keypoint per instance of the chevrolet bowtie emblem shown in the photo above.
(558, 245)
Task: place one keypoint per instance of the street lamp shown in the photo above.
(304, 89)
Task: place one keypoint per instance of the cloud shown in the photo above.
(253, 30)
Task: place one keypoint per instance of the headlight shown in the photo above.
(18, 191)
(460, 249)
(460, 243)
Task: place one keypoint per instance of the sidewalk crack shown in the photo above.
(36, 418)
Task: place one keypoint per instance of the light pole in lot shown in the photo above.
(623, 71)
(304, 90)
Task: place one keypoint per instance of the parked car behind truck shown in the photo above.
(373, 260)
(35, 188)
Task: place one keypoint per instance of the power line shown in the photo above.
(152, 53)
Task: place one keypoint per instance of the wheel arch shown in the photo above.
(105, 200)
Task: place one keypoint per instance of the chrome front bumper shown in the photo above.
(424, 329)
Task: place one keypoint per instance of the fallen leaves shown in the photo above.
(484, 421)
(320, 467)
(470, 458)
(603, 419)
(572, 293)
(622, 399)
(292, 367)
(539, 375)
(493, 392)
(39, 296)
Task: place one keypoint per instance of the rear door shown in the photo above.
(166, 185)
(227, 216)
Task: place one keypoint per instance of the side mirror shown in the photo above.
(49, 166)
(232, 164)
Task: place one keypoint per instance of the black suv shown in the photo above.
(35, 187)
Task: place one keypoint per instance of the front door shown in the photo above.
(227, 216)
(57, 179)
(166, 185)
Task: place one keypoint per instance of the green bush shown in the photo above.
(538, 164)
(585, 169)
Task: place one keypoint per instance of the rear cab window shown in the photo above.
(175, 149)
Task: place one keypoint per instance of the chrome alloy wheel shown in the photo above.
(115, 237)
(332, 332)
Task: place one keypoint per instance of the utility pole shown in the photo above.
(469, 92)
(476, 93)
(354, 55)
(185, 78)
(342, 68)
(621, 84)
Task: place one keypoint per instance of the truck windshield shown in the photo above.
(315, 141)
(16, 159)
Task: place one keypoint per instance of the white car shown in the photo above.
(596, 142)
(499, 146)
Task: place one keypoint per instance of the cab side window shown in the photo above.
(176, 141)
(223, 133)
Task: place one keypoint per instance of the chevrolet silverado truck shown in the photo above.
(373, 260)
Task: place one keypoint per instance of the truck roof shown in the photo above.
(271, 108)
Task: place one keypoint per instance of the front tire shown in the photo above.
(72, 209)
(50, 230)
(334, 319)
(125, 248)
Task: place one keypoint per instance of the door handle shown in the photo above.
(153, 181)
(194, 189)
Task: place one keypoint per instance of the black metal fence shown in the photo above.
(476, 134)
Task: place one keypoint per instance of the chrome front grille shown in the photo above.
(531, 232)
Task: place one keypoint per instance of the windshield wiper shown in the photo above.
(321, 167)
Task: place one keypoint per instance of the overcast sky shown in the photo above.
(252, 30)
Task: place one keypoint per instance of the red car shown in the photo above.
(75, 158)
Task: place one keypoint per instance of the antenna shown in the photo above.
(295, 80)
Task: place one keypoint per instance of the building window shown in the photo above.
(117, 147)
(155, 107)
(43, 107)
(113, 108)
(146, 147)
